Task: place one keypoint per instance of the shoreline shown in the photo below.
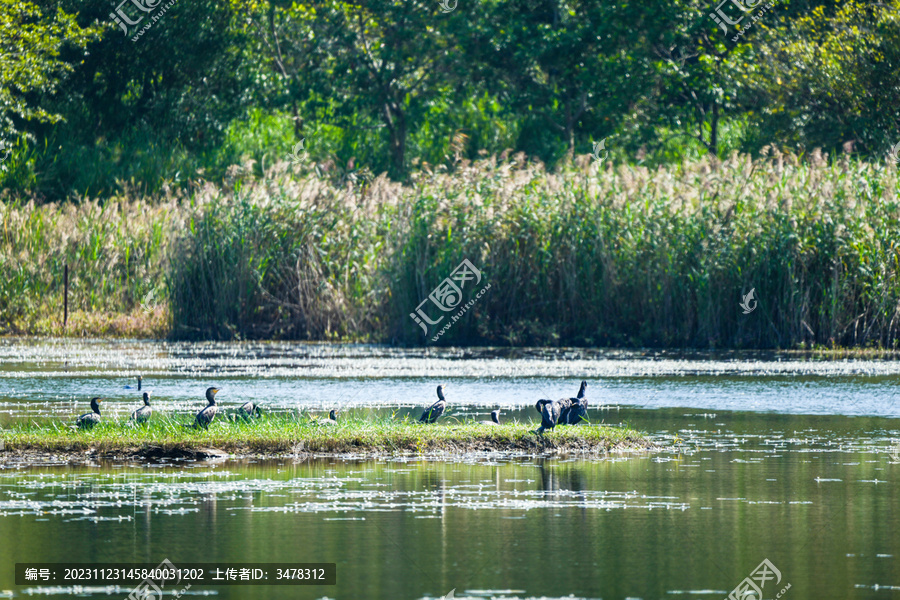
(402, 440)
(163, 336)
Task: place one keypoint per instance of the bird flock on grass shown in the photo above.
(565, 411)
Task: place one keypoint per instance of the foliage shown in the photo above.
(830, 77)
(32, 41)
(620, 256)
(114, 253)
(392, 86)
(287, 433)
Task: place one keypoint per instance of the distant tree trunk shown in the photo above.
(572, 117)
(714, 130)
(298, 120)
(396, 124)
(712, 145)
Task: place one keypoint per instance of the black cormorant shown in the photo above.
(140, 379)
(249, 409)
(550, 411)
(434, 412)
(142, 415)
(88, 420)
(331, 420)
(206, 416)
(495, 418)
(577, 412)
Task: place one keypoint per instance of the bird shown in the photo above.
(249, 409)
(550, 411)
(434, 412)
(577, 411)
(88, 420)
(142, 415)
(140, 380)
(495, 418)
(206, 416)
(545, 409)
(331, 420)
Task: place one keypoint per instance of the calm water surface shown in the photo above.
(794, 461)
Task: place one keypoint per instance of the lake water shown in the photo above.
(766, 457)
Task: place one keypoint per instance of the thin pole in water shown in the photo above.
(65, 296)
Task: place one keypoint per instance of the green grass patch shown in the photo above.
(299, 434)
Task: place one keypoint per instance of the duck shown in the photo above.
(206, 416)
(495, 418)
(142, 414)
(88, 420)
(434, 412)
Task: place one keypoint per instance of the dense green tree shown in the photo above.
(831, 77)
(391, 84)
(563, 65)
(32, 68)
(384, 59)
(142, 112)
(695, 71)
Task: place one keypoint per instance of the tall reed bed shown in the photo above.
(620, 255)
(115, 251)
(282, 257)
(634, 257)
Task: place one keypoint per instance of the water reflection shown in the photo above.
(764, 463)
(818, 500)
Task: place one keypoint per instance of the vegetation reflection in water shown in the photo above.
(796, 481)
(814, 495)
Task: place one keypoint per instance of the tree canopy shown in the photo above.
(395, 85)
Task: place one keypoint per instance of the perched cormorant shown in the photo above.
(249, 409)
(205, 416)
(140, 379)
(331, 420)
(142, 415)
(577, 412)
(550, 411)
(434, 412)
(88, 420)
(545, 409)
(495, 418)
